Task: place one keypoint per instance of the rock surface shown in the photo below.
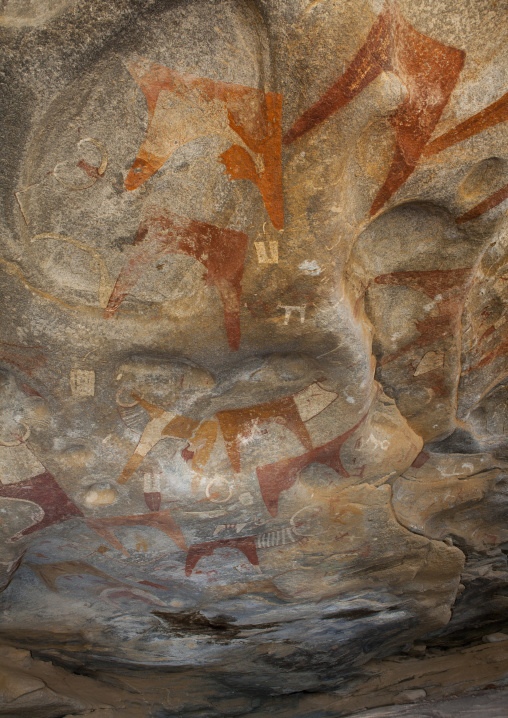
(253, 361)
(491, 705)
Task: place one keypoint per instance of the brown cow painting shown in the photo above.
(221, 251)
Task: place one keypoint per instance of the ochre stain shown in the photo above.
(488, 117)
(153, 500)
(154, 585)
(244, 544)
(338, 514)
(181, 427)
(255, 116)
(160, 520)
(487, 204)
(240, 165)
(451, 284)
(130, 467)
(436, 380)
(186, 453)
(489, 357)
(22, 357)
(141, 544)
(178, 427)
(202, 442)
(221, 251)
(432, 281)
(48, 573)
(420, 460)
(486, 334)
(427, 68)
(237, 424)
(90, 170)
(44, 491)
(30, 391)
(278, 477)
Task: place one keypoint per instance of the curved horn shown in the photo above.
(105, 284)
(19, 441)
(100, 170)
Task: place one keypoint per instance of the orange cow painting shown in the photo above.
(182, 107)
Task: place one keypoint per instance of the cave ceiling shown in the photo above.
(253, 358)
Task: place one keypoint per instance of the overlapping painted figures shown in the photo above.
(253, 361)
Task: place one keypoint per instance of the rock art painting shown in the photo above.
(450, 285)
(428, 69)
(92, 171)
(152, 492)
(28, 359)
(183, 107)
(202, 443)
(484, 360)
(487, 357)
(45, 492)
(221, 251)
(485, 205)
(246, 545)
(276, 478)
(161, 424)
(109, 588)
(237, 423)
(489, 117)
(161, 520)
(49, 573)
(253, 356)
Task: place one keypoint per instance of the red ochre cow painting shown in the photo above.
(109, 588)
(428, 69)
(221, 251)
(161, 520)
(236, 425)
(246, 544)
(56, 506)
(490, 116)
(44, 491)
(291, 412)
(451, 284)
(161, 424)
(53, 506)
(276, 478)
(182, 107)
(49, 573)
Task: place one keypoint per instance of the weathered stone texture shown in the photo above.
(253, 361)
